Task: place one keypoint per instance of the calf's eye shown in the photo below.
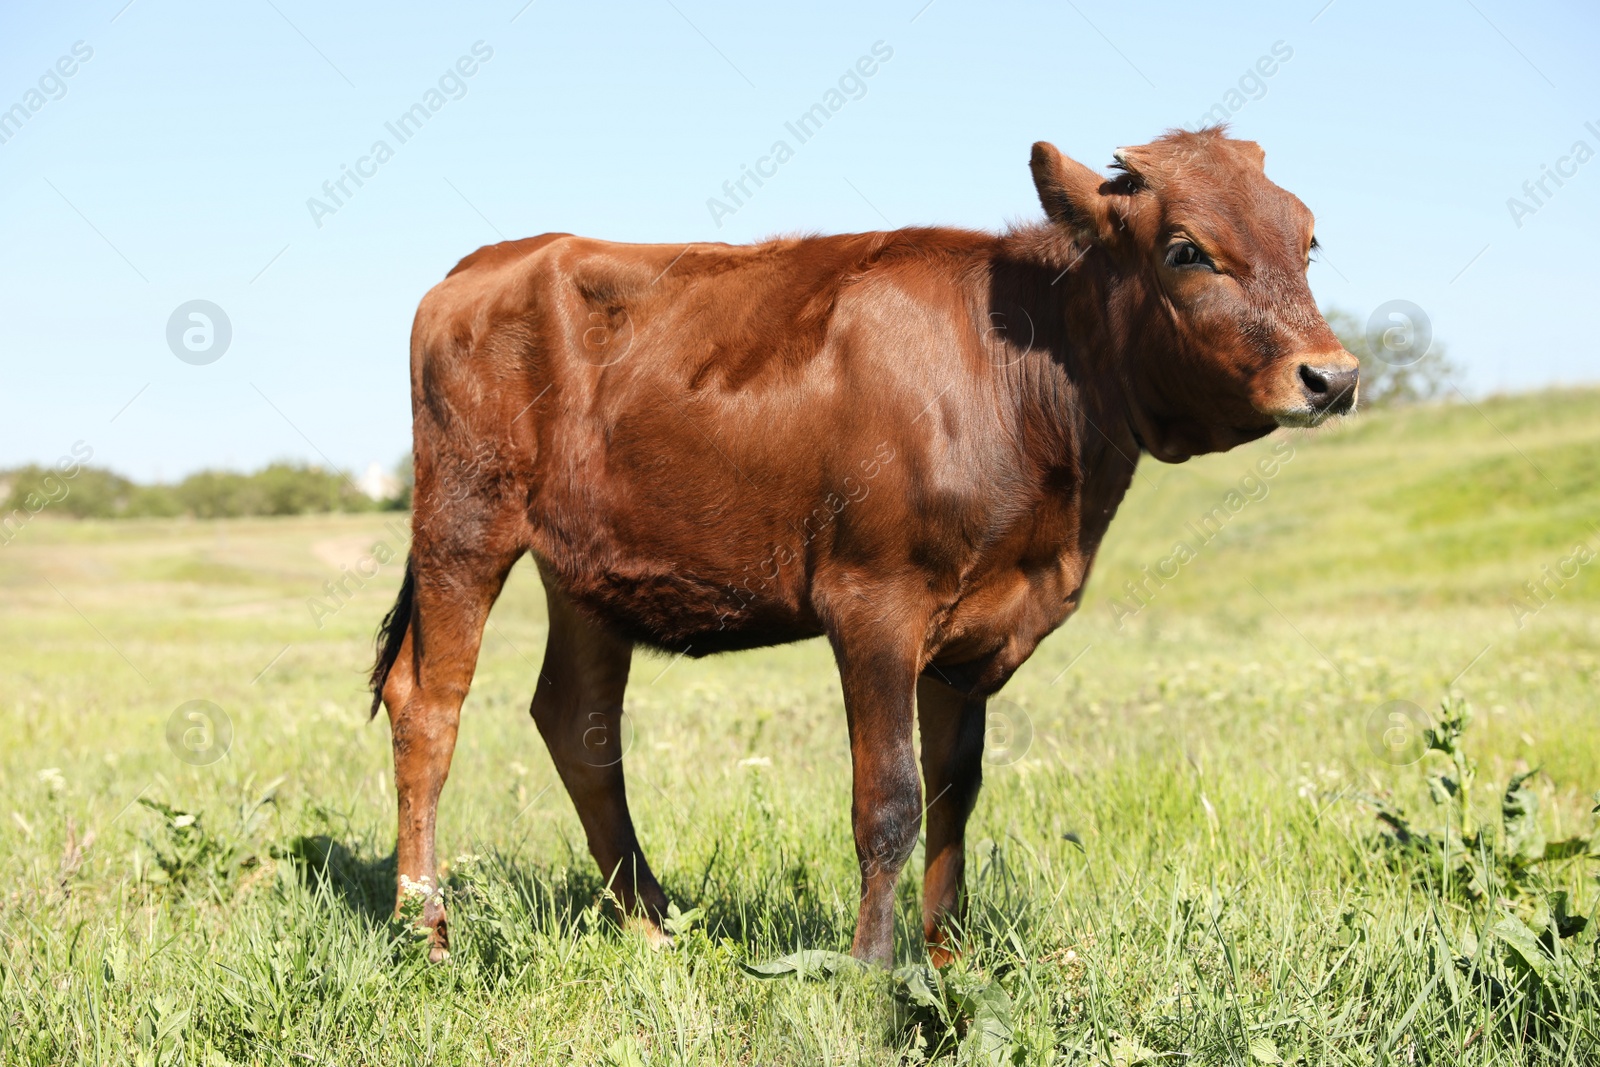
(1182, 254)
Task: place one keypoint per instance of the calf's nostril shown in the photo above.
(1313, 378)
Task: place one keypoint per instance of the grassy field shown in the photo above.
(1205, 836)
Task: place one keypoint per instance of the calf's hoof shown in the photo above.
(439, 942)
(942, 955)
(647, 928)
(878, 952)
(429, 918)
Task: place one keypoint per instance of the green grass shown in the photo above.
(1185, 864)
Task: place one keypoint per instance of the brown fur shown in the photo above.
(911, 442)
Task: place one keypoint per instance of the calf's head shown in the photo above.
(1202, 262)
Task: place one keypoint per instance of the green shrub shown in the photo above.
(277, 489)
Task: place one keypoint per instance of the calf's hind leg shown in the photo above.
(450, 597)
(578, 708)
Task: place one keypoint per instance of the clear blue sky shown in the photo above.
(176, 162)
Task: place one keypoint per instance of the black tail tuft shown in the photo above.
(391, 634)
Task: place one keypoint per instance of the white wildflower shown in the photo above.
(419, 887)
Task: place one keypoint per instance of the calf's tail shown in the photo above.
(391, 634)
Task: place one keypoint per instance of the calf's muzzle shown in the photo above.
(1329, 389)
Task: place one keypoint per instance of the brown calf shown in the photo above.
(910, 441)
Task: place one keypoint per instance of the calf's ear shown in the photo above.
(1069, 191)
(1253, 152)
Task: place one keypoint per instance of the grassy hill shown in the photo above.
(1178, 848)
(1418, 507)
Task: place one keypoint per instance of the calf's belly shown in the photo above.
(677, 602)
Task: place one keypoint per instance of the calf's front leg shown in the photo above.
(886, 796)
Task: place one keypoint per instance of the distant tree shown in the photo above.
(153, 502)
(1388, 382)
(97, 493)
(90, 493)
(286, 489)
(278, 489)
(405, 473)
(217, 495)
